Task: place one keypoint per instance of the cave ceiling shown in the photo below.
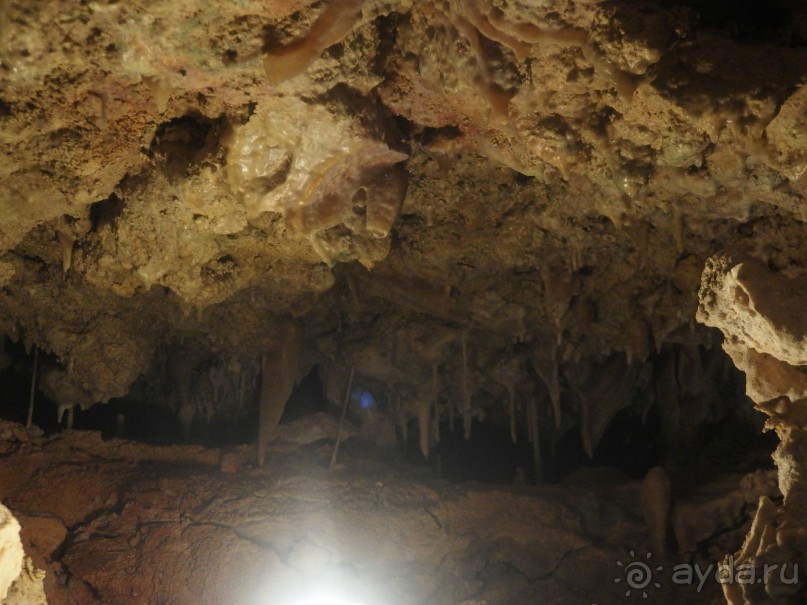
(461, 200)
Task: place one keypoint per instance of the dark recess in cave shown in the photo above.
(105, 212)
(182, 144)
(749, 21)
(15, 385)
(632, 443)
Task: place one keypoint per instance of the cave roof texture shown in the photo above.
(511, 190)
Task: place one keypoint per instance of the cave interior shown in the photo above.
(403, 302)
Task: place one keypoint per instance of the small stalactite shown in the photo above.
(65, 409)
(160, 89)
(451, 416)
(640, 232)
(336, 21)
(466, 389)
(424, 426)
(575, 257)
(678, 228)
(639, 340)
(508, 374)
(401, 418)
(436, 387)
(511, 395)
(66, 243)
(545, 363)
(533, 436)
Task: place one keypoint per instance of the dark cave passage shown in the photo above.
(637, 438)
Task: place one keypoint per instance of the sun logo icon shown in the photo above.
(638, 575)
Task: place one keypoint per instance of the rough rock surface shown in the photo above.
(754, 307)
(11, 554)
(21, 583)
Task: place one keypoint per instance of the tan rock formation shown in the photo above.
(758, 312)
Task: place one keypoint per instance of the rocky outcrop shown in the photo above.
(20, 582)
(759, 312)
(10, 550)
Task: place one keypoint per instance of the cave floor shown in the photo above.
(122, 522)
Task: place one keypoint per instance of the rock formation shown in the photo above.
(757, 309)
(493, 215)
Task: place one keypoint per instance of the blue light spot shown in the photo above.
(365, 398)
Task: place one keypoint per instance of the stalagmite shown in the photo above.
(279, 372)
(656, 501)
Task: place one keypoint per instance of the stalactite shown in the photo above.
(511, 395)
(642, 243)
(508, 374)
(242, 388)
(30, 419)
(345, 403)
(62, 409)
(66, 242)
(638, 342)
(436, 388)
(601, 391)
(451, 416)
(678, 227)
(336, 21)
(279, 372)
(533, 436)
(160, 89)
(575, 257)
(424, 426)
(401, 418)
(466, 389)
(545, 363)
